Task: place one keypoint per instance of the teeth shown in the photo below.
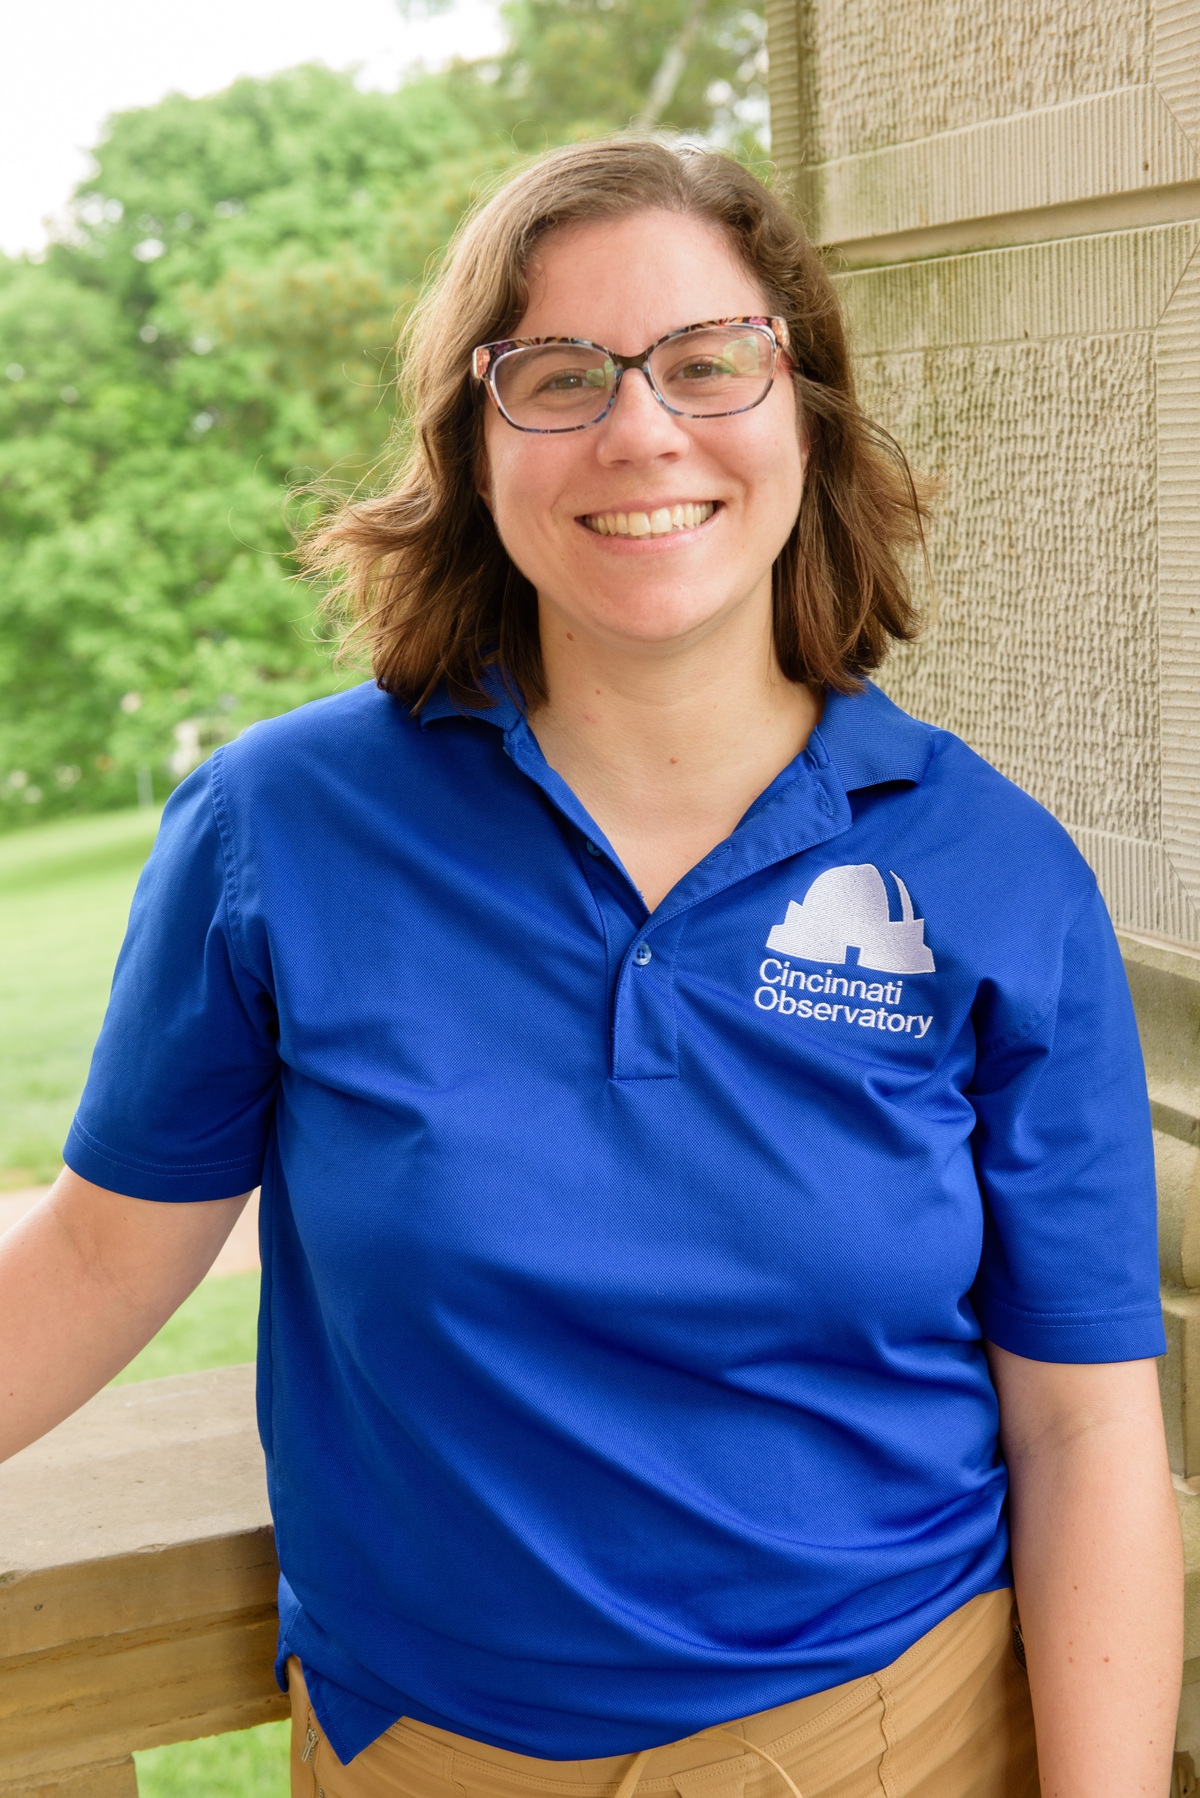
(659, 523)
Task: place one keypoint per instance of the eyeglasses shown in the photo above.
(710, 370)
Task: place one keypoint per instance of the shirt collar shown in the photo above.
(870, 740)
(503, 713)
(866, 736)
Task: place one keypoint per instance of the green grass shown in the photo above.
(251, 1764)
(64, 900)
(215, 1327)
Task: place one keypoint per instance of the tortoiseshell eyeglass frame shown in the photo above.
(486, 356)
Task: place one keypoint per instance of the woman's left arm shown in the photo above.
(1098, 1569)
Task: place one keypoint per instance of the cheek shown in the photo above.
(508, 463)
(783, 457)
(523, 482)
(491, 457)
(503, 491)
(784, 467)
(515, 488)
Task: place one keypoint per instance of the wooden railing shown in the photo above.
(137, 1585)
(137, 1561)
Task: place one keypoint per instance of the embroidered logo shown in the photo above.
(847, 908)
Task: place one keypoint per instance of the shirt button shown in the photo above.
(593, 848)
(641, 954)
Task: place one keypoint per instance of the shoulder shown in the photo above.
(1011, 821)
(362, 744)
(996, 878)
(318, 784)
(949, 791)
(291, 783)
(330, 730)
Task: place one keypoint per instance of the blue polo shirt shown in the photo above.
(625, 1275)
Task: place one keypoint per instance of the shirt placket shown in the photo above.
(645, 1034)
(643, 947)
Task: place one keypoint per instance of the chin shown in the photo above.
(667, 607)
(658, 621)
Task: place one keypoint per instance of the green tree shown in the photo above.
(216, 325)
(218, 322)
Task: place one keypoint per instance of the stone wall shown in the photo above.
(1012, 192)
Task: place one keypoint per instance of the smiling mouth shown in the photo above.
(662, 522)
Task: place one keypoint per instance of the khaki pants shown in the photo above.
(950, 1719)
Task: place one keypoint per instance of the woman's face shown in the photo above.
(624, 283)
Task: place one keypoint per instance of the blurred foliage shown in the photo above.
(251, 1764)
(215, 322)
(589, 65)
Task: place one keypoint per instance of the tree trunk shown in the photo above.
(670, 69)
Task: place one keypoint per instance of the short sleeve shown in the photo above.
(180, 1097)
(1065, 1157)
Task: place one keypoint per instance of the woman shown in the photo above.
(675, 1078)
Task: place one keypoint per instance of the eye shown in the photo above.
(540, 381)
(714, 358)
(572, 380)
(703, 368)
(567, 380)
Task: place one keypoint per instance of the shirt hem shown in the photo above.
(188, 1185)
(352, 1722)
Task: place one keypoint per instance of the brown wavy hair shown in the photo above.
(419, 574)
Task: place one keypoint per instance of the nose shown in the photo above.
(639, 427)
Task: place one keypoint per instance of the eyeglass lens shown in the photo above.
(703, 373)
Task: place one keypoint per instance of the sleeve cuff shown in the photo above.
(1083, 1337)
(94, 1161)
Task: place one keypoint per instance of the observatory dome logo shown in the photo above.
(847, 908)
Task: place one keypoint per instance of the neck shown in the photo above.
(668, 745)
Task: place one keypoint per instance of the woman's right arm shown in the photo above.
(86, 1279)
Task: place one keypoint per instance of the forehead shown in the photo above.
(626, 282)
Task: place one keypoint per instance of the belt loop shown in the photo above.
(632, 1774)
